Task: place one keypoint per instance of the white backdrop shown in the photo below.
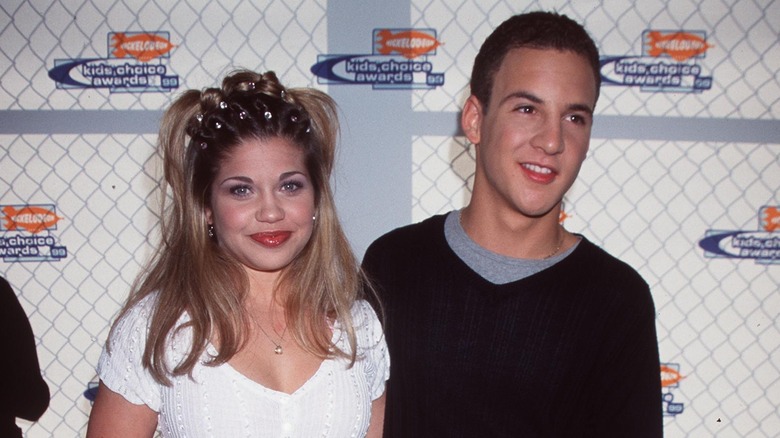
(666, 169)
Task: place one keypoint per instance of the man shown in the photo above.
(498, 320)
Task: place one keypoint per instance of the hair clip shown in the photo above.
(294, 118)
(203, 145)
(283, 94)
(223, 105)
(268, 115)
(217, 125)
(250, 86)
(242, 115)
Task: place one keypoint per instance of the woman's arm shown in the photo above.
(377, 418)
(114, 416)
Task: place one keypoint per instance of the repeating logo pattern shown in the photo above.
(127, 69)
(399, 60)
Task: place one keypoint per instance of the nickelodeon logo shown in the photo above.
(670, 376)
(679, 46)
(141, 46)
(770, 217)
(409, 43)
(30, 218)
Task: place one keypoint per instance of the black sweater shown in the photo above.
(570, 351)
(23, 392)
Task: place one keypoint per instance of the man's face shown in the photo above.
(533, 137)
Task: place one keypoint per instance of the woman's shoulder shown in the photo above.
(368, 328)
(136, 319)
(363, 313)
(136, 312)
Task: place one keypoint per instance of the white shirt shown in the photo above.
(221, 402)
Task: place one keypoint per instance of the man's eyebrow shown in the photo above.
(522, 95)
(581, 107)
(536, 99)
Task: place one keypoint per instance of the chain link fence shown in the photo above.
(103, 186)
(650, 202)
(744, 55)
(209, 38)
(646, 201)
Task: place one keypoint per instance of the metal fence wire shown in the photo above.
(648, 202)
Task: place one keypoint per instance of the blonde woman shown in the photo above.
(249, 321)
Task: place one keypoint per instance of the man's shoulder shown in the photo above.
(409, 236)
(607, 278)
(596, 261)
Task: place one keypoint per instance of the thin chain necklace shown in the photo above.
(558, 246)
(555, 251)
(278, 347)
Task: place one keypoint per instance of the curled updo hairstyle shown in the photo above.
(191, 274)
(252, 106)
(247, 106)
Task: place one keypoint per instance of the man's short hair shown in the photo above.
(536, 30)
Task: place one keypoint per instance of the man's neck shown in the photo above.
(513, 234)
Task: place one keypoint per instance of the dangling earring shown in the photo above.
(211, 231)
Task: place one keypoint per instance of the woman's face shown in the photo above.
(262, 204)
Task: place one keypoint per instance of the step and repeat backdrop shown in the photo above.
(682, 180)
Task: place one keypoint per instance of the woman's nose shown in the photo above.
(269, 210)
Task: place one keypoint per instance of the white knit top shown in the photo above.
(221, 402)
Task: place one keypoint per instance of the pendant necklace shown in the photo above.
(278, 347)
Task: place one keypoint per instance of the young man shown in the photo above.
(498, 320)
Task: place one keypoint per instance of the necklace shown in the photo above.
(278, 347)
(554, 251)
(558, 246)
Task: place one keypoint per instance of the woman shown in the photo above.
(248, 321)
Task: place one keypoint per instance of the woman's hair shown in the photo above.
(535, 30)
(190, 273)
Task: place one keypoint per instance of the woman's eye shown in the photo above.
(291, 186)
(240, 190)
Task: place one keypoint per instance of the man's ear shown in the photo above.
(471, 119)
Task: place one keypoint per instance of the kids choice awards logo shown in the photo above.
(670, 381)
(136, 63)
(669, 63)
(399, 60)
(762, 245)
(24, 238)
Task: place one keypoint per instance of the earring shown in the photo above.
(314, 218)
(211, 231)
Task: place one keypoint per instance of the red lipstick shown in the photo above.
(271, 239)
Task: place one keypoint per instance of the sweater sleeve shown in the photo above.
(23, 393)
(629, 383)
(120, 367)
